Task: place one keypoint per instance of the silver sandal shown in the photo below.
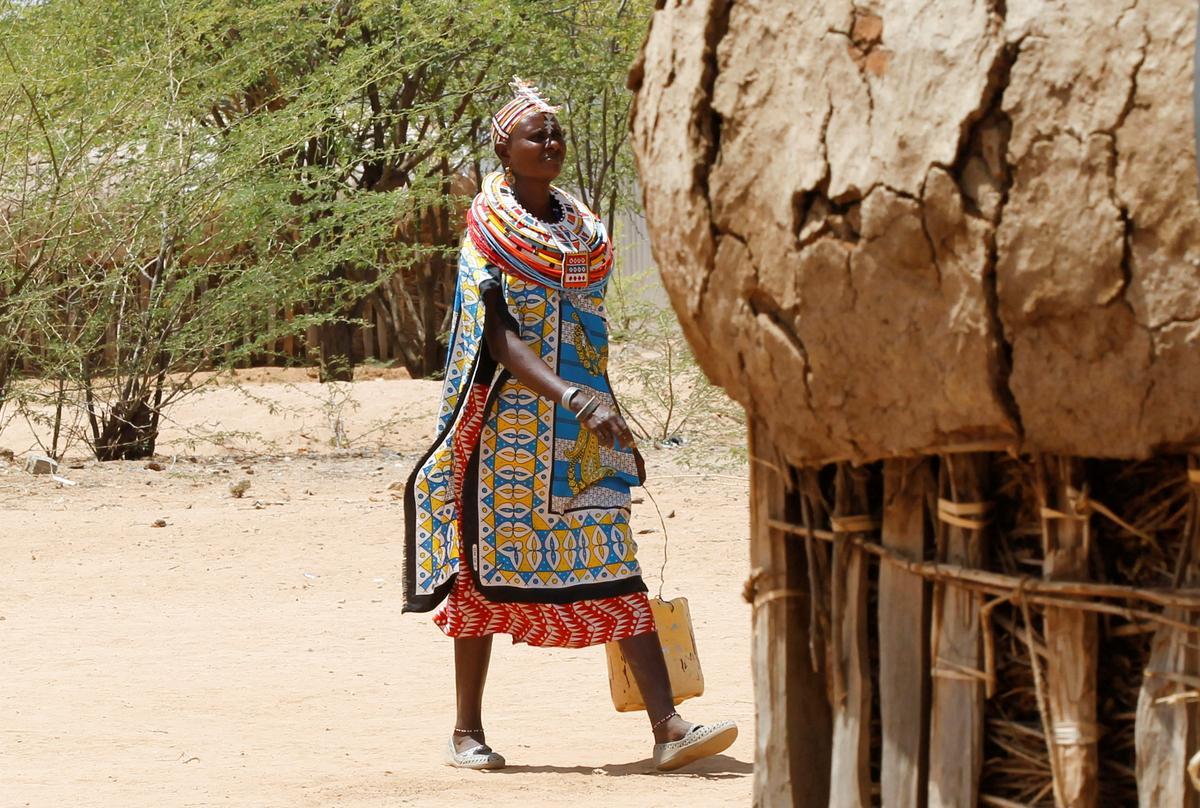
(701, 741)
(479, 757)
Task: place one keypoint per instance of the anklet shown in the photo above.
(467, 731)
(663, 720)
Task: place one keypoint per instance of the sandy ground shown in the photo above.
(251, 652)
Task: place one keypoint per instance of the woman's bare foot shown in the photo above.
(672, 729)
(464, 741)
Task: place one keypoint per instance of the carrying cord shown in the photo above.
(663, 569)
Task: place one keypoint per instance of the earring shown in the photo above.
(508, 176)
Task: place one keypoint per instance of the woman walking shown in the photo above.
(518, 515)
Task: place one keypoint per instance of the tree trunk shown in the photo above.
(5, 371)
(129, 432)
(850, 780)
(1168, 720)
(335, 357)
(1072, 640)
(956, 731)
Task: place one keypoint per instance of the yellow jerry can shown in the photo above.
(674, 621)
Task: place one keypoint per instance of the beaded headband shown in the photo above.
(528, 99)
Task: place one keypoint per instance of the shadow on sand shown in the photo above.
(717, 767)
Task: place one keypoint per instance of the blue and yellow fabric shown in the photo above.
(546, 507)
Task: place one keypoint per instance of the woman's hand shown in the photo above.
(608, 425)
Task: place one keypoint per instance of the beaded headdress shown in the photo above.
(528, 98)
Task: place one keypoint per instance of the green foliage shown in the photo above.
(588, 53)
(177, 174)
(129, 265)
(663, 392)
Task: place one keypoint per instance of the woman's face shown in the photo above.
(536, 148)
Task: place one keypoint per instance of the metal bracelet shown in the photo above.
(569, 394)
(587, 409)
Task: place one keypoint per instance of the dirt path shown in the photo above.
(252, 652)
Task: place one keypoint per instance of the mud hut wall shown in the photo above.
(903, 228)
(931, 224)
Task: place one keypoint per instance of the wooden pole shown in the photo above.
(289, 342)
(1071, 637)
(383, 350)
(793, 732)
(908, 485)
(956, 713)
(1167, 728)
(850, 778)
(365, 332)
(1086, 595)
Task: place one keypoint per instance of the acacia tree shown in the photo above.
(178, 172)
(357, 98)
(588, 51)
(132, 256)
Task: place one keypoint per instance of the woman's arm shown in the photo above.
(507, 348)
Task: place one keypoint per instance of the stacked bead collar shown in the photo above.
(572, 253)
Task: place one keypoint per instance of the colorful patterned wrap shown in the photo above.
(545, 506)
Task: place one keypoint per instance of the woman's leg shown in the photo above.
(645, 657)
(471, 658)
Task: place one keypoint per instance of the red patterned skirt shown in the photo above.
(468, 613)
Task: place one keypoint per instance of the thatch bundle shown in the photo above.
(945, 255)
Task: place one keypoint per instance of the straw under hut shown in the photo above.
(945, 254)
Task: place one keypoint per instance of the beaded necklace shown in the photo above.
(572, 253)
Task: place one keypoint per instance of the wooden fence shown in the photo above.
(976, 628)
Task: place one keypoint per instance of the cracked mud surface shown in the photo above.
(896, 227)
